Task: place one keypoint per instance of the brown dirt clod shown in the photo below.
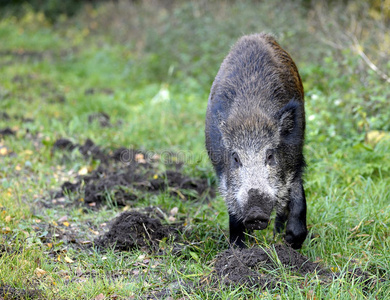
(243, 266)
(6, 131)
(262, 267)
(133, 229)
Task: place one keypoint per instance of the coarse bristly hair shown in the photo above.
(256, 107)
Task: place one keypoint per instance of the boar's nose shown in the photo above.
(255, 198)
(253, 194)
(256, 219)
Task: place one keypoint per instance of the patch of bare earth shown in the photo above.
(125, 173)
(133, 229)
(10, 293)
(263, 267)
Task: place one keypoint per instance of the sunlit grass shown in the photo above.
(79, 73)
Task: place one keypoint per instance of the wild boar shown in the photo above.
(255, 126)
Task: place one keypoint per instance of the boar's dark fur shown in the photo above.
(255, 126)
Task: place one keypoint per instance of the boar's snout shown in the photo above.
(258, 210)
(256, 219)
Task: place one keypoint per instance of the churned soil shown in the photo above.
(8, 292)
(125, 174)
(133, 229)
(246, 266)
(6, 131)
(263, 267)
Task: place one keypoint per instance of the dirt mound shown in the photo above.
(63, 144)
(125, 174)
(263, 268)
(88, 149)
(132, 230)
(6, 131)
(244, 266)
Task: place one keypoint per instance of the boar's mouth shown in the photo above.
(256, 219)
(259, 208)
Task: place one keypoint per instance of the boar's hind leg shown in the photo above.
(237, 229)
(296, 230)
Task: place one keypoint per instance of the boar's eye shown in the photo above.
(236, 162)
(270, 157)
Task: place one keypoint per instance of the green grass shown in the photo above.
(347, 180)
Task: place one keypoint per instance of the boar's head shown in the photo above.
(263, 154)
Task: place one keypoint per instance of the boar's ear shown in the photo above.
(289, 118)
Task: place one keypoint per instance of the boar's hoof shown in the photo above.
(296, 236)
(256, 219)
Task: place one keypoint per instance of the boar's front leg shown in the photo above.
(296, 230)
(295, 215)
(236, 230)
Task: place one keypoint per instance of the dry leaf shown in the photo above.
(27, 152)
(174, 211)
(39, 272)
(141, 257)
(83, 171)
(156, 156)
(63, 219)
(3, 151)
(94, 232)
(6, 229)
(140, 158)
(66, 224)
(99, 297)
(374, 136)
(68, 260)
(8, 219)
